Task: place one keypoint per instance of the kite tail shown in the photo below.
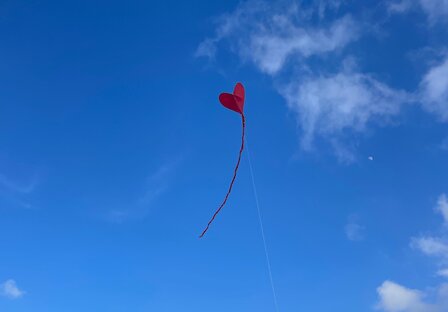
(243, 119)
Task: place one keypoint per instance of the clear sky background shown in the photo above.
(115, 152)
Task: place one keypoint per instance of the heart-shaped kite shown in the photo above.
(235, 102)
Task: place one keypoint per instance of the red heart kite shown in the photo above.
(235, 102)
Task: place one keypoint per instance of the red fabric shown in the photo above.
(233, 102)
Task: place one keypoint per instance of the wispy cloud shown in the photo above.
(431, 246)
(269, 33)
(330, 105)
(443, 272)
(442, 207)
(282, 39)
(156, 184)
(10, 290)
(21, 187)
(435, 10)
(434, 90)
(17, 190)
(400, 6)
(436, 246)
(353, 230)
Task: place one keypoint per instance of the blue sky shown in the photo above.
(114, 153)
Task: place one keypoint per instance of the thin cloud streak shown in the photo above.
(155, 186)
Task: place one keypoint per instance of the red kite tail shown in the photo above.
(233, 179)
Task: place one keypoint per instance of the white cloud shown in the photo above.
(206, 48)
(283, 40)
(399, 6)
(270, 50)
(434, 90)
(442, 207)
(10, 290)
(396, 298)
(328, 6)
(329, 105)
(443, 272)
(269, 33)
(437, 10)
(279, 38)
(431, 246)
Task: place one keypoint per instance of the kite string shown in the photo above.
(243, 120)
(260, 219)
